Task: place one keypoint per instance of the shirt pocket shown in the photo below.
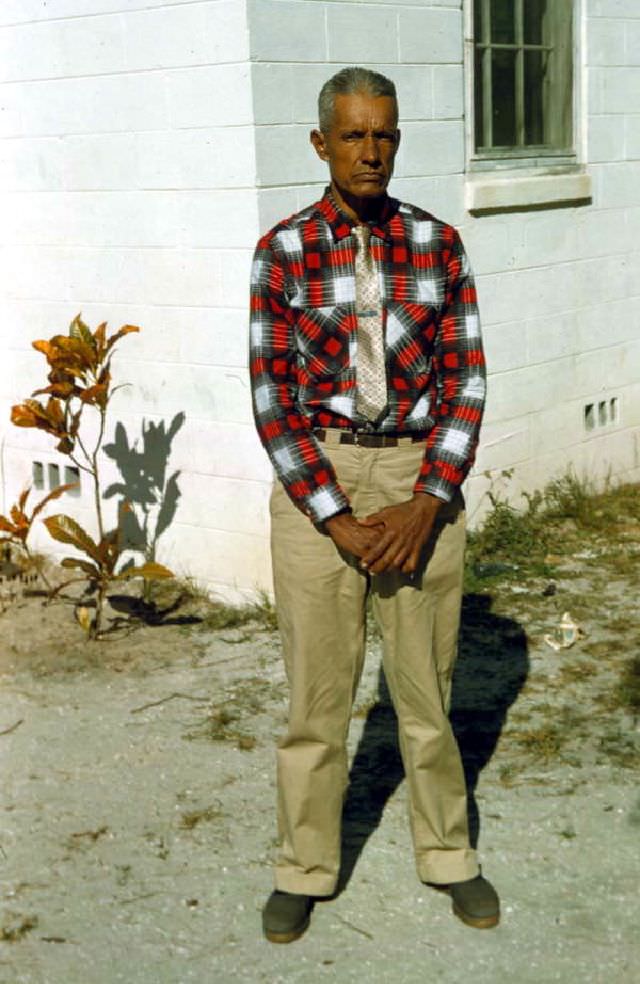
(323, 339)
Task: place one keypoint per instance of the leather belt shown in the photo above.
(367, 439)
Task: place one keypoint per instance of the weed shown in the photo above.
(627, 692)
(191, 819)
(18, 928)
(620, 748)
(577, 671)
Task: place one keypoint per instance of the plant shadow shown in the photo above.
(491, 669)
(147, 503)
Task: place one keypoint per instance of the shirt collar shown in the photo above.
(341, 225)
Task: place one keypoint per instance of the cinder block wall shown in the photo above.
(146, 143)
(559, 288)
(128, 192)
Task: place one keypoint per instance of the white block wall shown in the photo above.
(559, 289)
(127, 180)
(146, 143)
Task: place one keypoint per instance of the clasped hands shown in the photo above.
(390, 539)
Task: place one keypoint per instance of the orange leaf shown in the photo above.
(150, 571)
(54, 494)
(5, 525)
(125, 330)
(23, 416)
(95, 394)
(83, 565)
(66, 530)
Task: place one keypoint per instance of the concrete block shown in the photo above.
(32, 164)
(503, 444)
(287, 30)
(202, 392)
(211, 219)
(186, 34)
(211, 336)
(605, 138)
(605, 41)
(275, 204)
(632, 138)
(274, 92)
(620, 90)
(505, 346)
(613, 8)
(62, 48)
(97, 161)
(430, 36)
(527, 390)
(285, 156)
(632, 42)
(448, 92)
(216, 157)
(94, 218)
(213, 95)
(551, 337)
(237, 563)
(361, 35)
(120, 103)
(230, 450)
(600, 325)
(431, 148)
(233, 506)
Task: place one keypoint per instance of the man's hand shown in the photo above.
(406, 529)
(350, 535)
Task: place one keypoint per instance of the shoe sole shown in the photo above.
(478, 922)
(289, 937)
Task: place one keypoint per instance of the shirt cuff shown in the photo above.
(438, 487)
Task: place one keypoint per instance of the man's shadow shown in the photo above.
(492, 667)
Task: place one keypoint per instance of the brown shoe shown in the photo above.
(285, 917)
(476, 902)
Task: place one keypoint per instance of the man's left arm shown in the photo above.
(451, 445)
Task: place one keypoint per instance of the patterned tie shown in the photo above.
(371, 377)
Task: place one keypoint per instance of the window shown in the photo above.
(523, 79)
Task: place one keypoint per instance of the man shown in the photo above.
(368, 389)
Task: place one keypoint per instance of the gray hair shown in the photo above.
(346, 82)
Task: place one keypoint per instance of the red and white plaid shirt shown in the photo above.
(303, 345)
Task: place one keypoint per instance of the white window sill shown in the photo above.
(514, 190)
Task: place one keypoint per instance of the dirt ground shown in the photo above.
(137, 806)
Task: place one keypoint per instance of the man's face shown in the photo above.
(360, 146)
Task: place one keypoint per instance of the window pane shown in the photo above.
(479, 99)
(534, 11)
(534, 62)
(477, 20)
(503, 21)
(503, 89)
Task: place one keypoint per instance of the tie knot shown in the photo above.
(363, 235)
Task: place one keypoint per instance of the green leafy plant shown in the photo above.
(79, 379)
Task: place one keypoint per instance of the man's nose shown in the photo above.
(370, 151)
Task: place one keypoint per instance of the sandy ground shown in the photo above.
(137, 810)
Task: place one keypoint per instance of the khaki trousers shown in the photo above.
(320, 599)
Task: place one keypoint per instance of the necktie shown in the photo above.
(371, 378)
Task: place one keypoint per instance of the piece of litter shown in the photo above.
(565, 634)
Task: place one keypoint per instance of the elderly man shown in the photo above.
(368, 389)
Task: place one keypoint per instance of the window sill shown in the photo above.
(515, 191)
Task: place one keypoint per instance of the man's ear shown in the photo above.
(317, 139)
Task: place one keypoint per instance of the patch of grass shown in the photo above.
(218, 726)
(620, 748)
(543, 743)
(627, 692)
(192, 818)
(17, 928)
(577, 671)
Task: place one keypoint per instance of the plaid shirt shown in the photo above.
(303, 345)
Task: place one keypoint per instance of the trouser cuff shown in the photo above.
(446, 867)
(304, 883)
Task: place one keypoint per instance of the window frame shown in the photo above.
(517, 178)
